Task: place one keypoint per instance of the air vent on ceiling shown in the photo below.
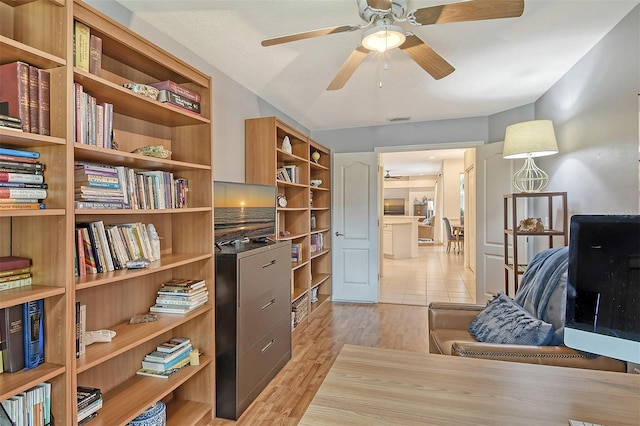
(394, 119)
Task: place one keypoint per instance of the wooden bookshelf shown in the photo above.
(41, 33)
(306, 203)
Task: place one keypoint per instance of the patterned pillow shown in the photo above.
(504, 321)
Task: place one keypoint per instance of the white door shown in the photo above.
(493, 180)
(355, 241)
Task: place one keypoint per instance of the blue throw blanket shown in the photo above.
(542, 288)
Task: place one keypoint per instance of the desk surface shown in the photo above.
(376, 386)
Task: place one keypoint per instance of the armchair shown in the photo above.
(449, 335)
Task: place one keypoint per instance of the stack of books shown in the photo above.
(179, 296)
(89, 402)
(21, 180)
(178, 95)
(168, 358)
(15, 271)
(98, 183)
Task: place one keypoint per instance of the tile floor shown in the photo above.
(434, 276)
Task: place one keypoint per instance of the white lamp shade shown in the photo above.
(530, 138)
(383, 38)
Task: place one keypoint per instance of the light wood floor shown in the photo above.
(385, 325)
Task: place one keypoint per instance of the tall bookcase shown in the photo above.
(306, 219)
(41, 33)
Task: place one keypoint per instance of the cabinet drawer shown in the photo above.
(262, 361)
(264, 294)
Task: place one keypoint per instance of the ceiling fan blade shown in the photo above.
(474, 10)
(309, 34)
(426, 57)
(354, 60)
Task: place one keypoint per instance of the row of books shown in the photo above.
(316, 244)
(100, 186)
(105, 248)
(15, 271)
(180, 296)
(296, 252)
(87, 49)
(22, 184)
(167, 359)
(288, 173)
(25, 94)
(22, 336)
(93, 120)
(89, 401)
(29, 408)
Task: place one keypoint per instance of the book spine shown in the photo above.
(23, 206)
(23, 193)
(23, 185)
(13, 277)
(19, 153)
(34, 124)
(15, 90)
(33, 320)
(44, 102)
(95, 55)
(18, 165)
(16, 271)
(11, 322)
(20, 177)
(179, 101)
(177, 89)
(81, 46)
(16, 283)
(14, 262)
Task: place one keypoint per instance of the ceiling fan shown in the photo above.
(388, 176)
(383, 33)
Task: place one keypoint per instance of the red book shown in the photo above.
(177, 89)
(13, 262)
(15, 91)
(34, 125)
(44, 102)
(95, 54)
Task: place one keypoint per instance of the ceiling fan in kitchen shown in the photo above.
(388, 176)
(383, 30)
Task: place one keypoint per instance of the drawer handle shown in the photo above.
(271, 343)
(266, 265)
(268, 304)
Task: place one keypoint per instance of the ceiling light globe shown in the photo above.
(383, 38)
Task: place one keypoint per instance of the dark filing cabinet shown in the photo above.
(253, 321)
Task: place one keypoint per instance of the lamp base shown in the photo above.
(530, 178)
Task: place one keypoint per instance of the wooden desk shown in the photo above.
(373, 386)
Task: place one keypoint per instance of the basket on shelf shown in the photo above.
(300, 309)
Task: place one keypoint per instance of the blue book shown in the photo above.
(19, 153)
(33, 321)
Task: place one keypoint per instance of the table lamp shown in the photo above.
(527, 140)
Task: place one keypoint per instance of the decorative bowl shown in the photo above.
(316, 182)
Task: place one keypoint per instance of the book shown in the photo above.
(166, 96)
(95, 54)
(177, 89)
(23, 185)
(44, 102)
(174, 344)
(165, 357)
(34, 99)
(89, 417)
(15, 91)
(87, 395)
(81, 45)
(22, 206)
(19, 153)
(90, 409)
(83, 328)
(8, 263)
(16, 271)
(179, 361)
(22, 282)
(174, 309)
(34, 193)
(33, 320)
(11, 326)
(21, 165)
(21, 177)
(13, 277)
(157, 374)
(46, 390)
(183, 283)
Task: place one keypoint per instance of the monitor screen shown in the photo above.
(603, 286)
(243, 211)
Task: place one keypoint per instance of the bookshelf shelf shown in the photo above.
(12, 50)
(139, 393)
(120, 158)
(13, 383)
(16, 296)
(132, 335)
(28, 140)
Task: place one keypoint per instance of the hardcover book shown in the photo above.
(15, 91)
(177, 89)
(34, 99)
(179, 101)
(8, 263)
(95, 54)
(81, 45)
(19, 153)
(44, 102)
(174, 345)
(11, 324)
(33, 321)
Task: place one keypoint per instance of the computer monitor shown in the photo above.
(603, 286)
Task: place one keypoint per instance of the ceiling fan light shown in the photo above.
(383, 38)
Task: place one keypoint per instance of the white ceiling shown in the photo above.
(500, 64)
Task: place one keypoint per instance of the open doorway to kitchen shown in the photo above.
(416, 269)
